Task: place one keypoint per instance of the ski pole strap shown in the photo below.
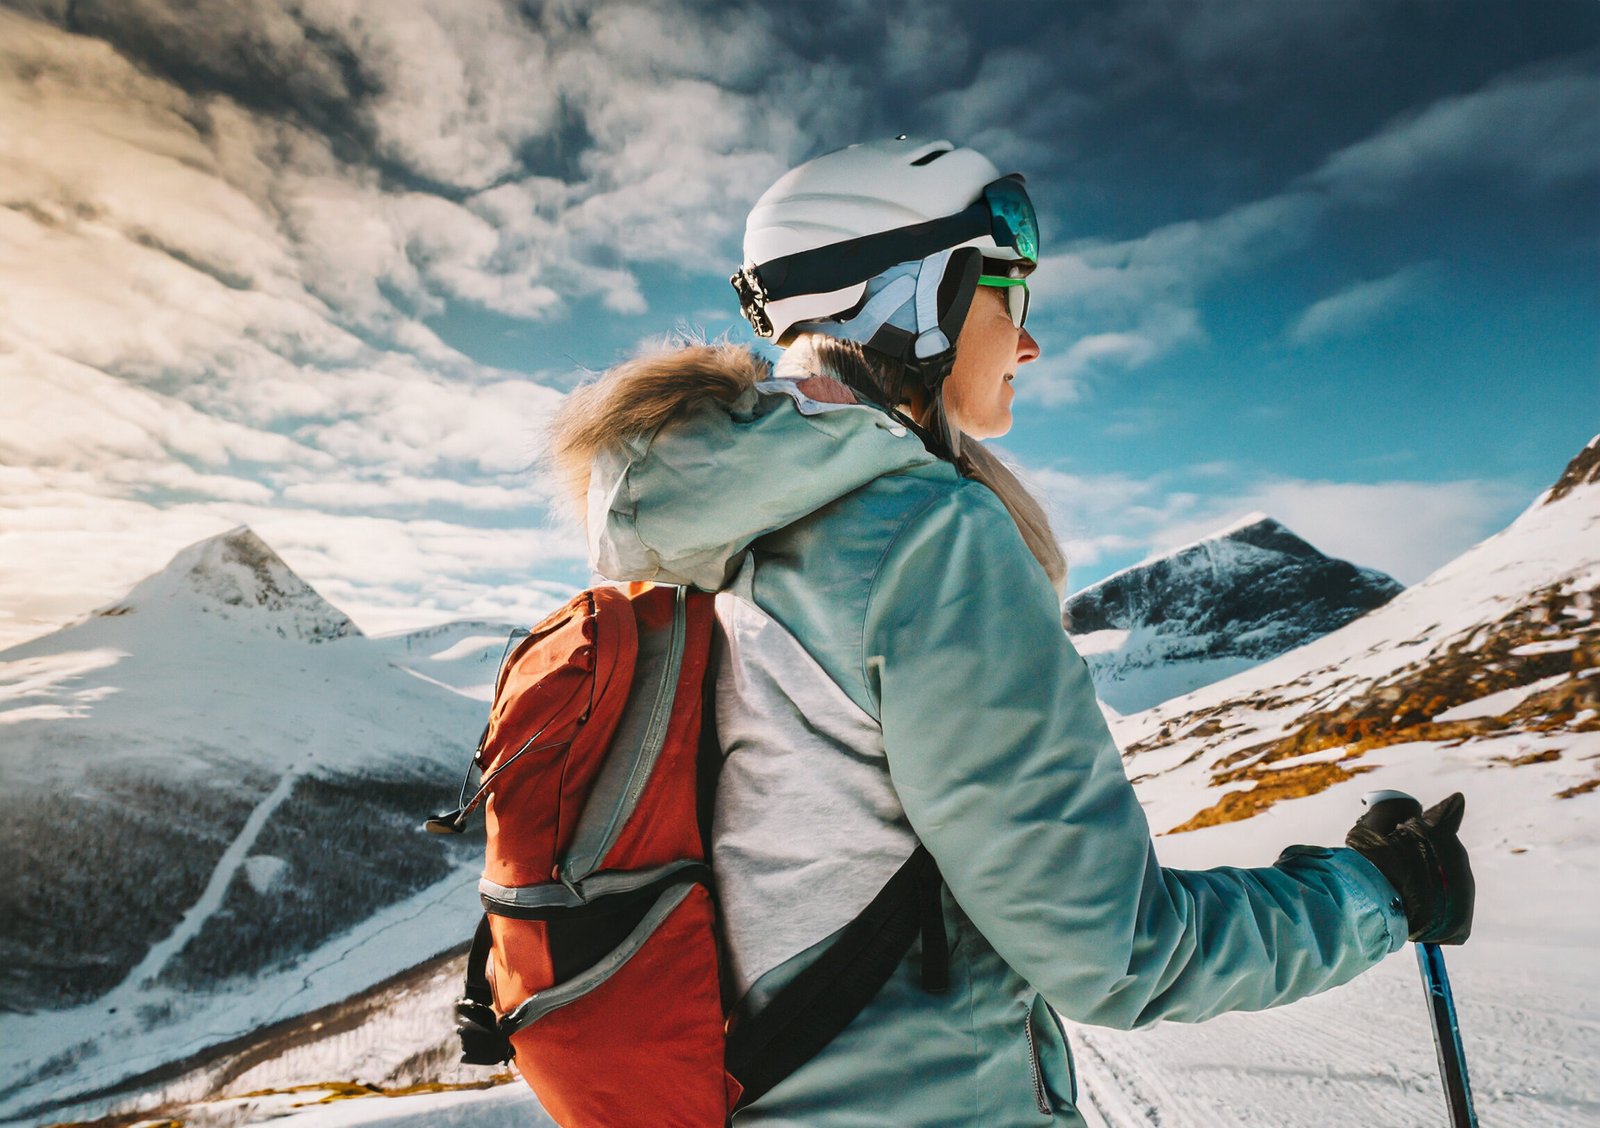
(822, 1000)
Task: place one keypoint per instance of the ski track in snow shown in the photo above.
(210, 900)
(1362, 1054)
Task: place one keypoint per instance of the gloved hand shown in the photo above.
(1426, 863)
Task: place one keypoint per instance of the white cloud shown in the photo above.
(59, 413)
(406, 420)
(1357, 306)
(389, 492)
(1407, 529)
(1058, 378)
(1121, 305)
(460, 87)
(1404, 528)
(1118, 305)
(69, 549)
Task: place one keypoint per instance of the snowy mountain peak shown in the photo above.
(1248, 521)
(1583, 470)
(1260, 531)
(236, 576)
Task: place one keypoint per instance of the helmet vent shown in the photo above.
(929, 158)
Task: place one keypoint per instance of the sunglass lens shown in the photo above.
(1018, 298)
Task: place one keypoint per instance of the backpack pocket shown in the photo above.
(628, 1026)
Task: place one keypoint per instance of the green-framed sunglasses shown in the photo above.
(1017, 296)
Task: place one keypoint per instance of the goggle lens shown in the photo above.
(1012, 216)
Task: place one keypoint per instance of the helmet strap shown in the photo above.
(939, 291)
(928, 357)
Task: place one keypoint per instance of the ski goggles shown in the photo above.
(1017, 295)
(1002, 211)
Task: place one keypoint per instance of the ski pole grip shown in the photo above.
(1387, 810)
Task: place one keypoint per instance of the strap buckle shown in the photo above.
(752, 299)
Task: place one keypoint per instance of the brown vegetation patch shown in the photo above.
(352, 1090)
(1583, 788)
(1399, 709)
(1286, 783)
(1547, 756)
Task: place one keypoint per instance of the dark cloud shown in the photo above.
(266, 57)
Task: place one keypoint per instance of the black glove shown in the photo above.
(1426, 863)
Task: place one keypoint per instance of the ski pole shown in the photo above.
(1385, 811)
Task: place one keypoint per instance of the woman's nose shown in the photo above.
(1027, 347)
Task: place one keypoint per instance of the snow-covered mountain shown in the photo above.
(210, 794)
(1213, 608)
(236, 577)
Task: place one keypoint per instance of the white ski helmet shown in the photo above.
(817, 237)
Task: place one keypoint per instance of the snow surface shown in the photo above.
(1527, 987)
(463, 656)
(1495, 704)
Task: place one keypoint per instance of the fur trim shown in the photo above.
(637, 398)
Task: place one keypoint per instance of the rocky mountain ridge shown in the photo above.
(1213, 608)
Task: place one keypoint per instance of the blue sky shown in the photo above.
(325, 270)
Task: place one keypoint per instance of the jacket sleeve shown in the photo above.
(1009, 775)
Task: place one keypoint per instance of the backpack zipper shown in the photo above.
(1040, 1097)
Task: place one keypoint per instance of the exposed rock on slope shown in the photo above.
(1213, 609)
(236, 576)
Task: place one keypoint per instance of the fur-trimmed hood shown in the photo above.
(679, 461)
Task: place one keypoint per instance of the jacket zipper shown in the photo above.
(1040, 1097)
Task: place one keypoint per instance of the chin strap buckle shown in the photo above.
(752, 299)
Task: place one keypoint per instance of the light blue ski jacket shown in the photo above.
(895, 670)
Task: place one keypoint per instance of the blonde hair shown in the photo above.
(855, 367)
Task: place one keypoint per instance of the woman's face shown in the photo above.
(978, 392)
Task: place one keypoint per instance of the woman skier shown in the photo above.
(894, 673)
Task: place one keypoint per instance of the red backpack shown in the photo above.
(596, 963)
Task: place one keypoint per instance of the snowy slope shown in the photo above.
(210, 791)
(1483, 679)
(1212, 609)
(463, 655)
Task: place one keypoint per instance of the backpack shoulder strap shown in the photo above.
(816, 1006)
